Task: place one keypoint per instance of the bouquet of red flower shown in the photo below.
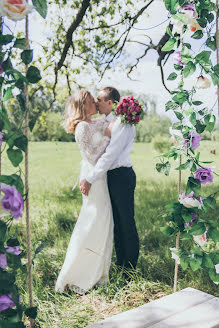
(129, 110)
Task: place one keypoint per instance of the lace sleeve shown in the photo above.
(91, 145)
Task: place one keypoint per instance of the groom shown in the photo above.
(121, 180)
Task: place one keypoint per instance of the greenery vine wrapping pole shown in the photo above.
(193, 217)
(30, 280)
(217, 44)
(15, 143)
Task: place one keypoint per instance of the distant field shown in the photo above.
(54, 168)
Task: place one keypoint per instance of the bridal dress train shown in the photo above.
(89, 252)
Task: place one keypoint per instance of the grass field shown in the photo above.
(54, 168)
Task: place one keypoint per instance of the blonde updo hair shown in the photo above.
(74, 110)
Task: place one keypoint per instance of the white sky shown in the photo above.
(148, 73)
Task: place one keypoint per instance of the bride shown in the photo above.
(89, 251)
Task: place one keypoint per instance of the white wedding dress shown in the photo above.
(89, 252)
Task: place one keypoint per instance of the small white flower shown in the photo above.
(174, 256)
(201, 239)
(202, 83)
(177, 26)
(189, 202)
(217, 268)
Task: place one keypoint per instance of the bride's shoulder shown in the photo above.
(81, 127)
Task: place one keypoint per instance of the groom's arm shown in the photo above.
(121, 135)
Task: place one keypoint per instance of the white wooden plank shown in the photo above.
(204, 315)
(152, 313)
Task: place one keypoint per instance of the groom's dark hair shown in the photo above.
(111, 94)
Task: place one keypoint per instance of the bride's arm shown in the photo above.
(92, 149)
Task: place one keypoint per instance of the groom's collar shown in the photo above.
(110, 117)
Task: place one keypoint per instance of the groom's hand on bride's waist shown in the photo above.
(85, 187)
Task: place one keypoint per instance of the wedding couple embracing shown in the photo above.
(107, 183)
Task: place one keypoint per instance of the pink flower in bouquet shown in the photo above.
(129, 109)
(14, 9)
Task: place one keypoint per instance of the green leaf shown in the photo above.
(3, 230)
(215, 78)
(184, 262)
(195, 262)
(5, 39)
(210, 121)
(168, 231)
(197, 103)
(210, 17)
(193, 118)
(22, 101)
(213, 233)
(20, 43)
(170, 105)
(197, 229)
(211, 43)
(7, 94)
(189, 69)
(13, 180)
(202, 22)
(31, 312)
(187, 45)
(41, 7)
(15, 156)
(33, 74)
(171, 5)
(168, 31)
(193, 185)
(27, 56)
(163, 167)
(179, 115)
(184, 166)
(207, 262)
(199, 126)
(209, 202)
(6, 65)
(178, 67)
(21, 142)
(213, 275)
(181, 97)
(172, 76)
(185, 55)
(216, 69)
(203, 57)
(197, 35)
(169, 45)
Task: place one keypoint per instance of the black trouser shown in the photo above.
(121, 184)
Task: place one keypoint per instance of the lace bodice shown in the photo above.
(91, 140)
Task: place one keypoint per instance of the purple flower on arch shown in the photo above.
(14, 249)
(12, 201)
(3, 261)
(193, 219)
(6, 302)
(192, 139)
(204, 175)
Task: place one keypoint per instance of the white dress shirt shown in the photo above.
(117, 153)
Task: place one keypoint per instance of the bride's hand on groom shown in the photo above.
(85, 187)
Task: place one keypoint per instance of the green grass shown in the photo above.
(54, 208)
